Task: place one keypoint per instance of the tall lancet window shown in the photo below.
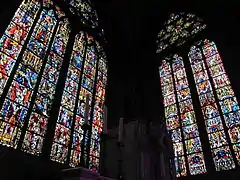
(30, 66)
(206, 62)
(180, 117)
(213, 114)
(98, 114)
(53, 80)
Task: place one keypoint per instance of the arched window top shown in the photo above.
(177, 29)
(85, 10)
(208, 49)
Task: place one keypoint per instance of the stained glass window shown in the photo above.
(14, 37)
(98, 112)
(20, 94)
(34, 54)
(39, 117)
(180, 117)
(206, 62)
(210, 58)
(84, 9)
(65, 117)
(177, 29)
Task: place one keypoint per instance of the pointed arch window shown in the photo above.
(206, 62)
(29, 67)
(216, 98)
(39, 46)
(180, 117)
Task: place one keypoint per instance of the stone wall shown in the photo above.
(145, 156)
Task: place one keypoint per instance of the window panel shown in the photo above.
(37, 124)
(16, 33)
(221, 81)
(190, 131)
(171, 111)
(26, 77)
(193, 145)
(170, 99)
(195, 53)
(217, 139)
(95, 147)
(200, 76)
(207, 99)
(33, 143)
(234, 134)
(9, 134)
(13, 113)
(94, 163)
(209, 50)
(167, 89)
(217, 70)
(213, 60)
(232, 119)
(31, 8)
(167, 80)
(182, 84)
(236, 148)
(229, 105)
(47, 20)
(6, 66)
(176, 134)
(210, 111)
(59, 153)
(196, 164)
(10, 47)
(214, 125)
(178, 149)
(180, 74)
(225, 92)
(186, 106)
(183, 94)
(32, 61)
(204, 87)
(172, 122)
(197, 66)
(75, 158)
(223, 159)
(20, 94)
(180, 166)
(188, 118)
(82, 103)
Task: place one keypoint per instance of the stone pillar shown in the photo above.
(163, 151)
(146, 153)
(145, 170)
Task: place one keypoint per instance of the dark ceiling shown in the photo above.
(131, 27)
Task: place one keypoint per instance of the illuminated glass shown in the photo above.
(177, 29)
(184, 133)
(65, 117)
(83, 8)
(32, 60)
(227, 100)
(39, 117)
(206, 62)
(98, 113)
(14, 37)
